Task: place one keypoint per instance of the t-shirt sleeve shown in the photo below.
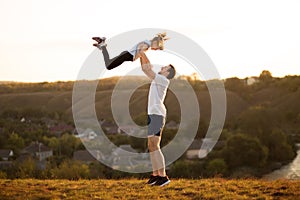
(161, 80)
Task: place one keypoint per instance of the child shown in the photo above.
(131, 55)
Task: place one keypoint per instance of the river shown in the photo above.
(289, 171)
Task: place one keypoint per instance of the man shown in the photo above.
(156, 117)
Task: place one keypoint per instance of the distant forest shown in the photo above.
(262, 121)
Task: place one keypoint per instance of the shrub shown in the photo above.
(216, 166)
(71, 169)
(3, 175)
(187, 169)
(26, 168)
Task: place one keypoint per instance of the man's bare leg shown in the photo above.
(156, 156)
(153, 160)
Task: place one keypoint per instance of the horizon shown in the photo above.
(140, 76)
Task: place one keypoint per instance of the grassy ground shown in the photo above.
(216, 188)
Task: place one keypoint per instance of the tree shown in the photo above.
(235, 84)
(141, 119)
(216, 166)
(257, 121)
(279, 149)
(243, 150)
(265, 76)
(68, 144)
(202, 129)
(168, 135)
(15, 142)
(53, 143)
(138, 143)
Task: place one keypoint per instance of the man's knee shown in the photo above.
(153, 145)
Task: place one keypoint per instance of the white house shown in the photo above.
(5, 154)
(38, 150)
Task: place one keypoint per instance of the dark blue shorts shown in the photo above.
(156, 124)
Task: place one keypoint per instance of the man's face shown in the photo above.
(164, 70)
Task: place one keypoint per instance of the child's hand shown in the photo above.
(142, 48)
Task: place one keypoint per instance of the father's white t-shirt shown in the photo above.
(157, 94)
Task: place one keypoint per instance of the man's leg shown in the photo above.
(155, 127)
(152, 157)
(116, 61)
(156, 156)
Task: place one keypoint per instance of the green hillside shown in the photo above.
(262, 121)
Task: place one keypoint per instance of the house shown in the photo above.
(6, 154)
(87, 134)
(5, 158)
(251, 80)
(38, 151)
(193, 150)
(200, 148)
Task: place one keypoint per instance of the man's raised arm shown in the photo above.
(146, 66)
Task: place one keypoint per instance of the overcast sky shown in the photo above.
(49, 40)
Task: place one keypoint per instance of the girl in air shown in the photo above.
(157, 43)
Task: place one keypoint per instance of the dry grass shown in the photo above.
(216, 188)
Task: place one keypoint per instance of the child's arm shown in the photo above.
(146, 66)
(142, 47)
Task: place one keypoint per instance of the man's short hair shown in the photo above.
(171, 71)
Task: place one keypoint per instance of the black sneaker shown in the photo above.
(152, 180)
(99, 39)
(163, 180)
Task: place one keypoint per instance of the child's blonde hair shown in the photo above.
(160, 38)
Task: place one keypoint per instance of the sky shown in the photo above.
(49, 40)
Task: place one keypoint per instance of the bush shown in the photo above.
(97, 170)
(244, 172)
(187, 169)
(216, 167)
(71, 169)
(3, 175)
(26, 168)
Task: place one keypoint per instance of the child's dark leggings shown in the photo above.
(116, 61)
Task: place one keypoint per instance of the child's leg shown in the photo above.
(116, 61)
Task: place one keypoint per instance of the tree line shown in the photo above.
(256, 141)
